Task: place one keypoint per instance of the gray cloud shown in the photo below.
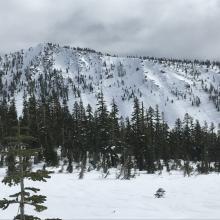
(171, 28)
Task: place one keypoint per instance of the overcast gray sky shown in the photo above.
(172, 28)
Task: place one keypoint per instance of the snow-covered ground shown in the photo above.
(195, 197)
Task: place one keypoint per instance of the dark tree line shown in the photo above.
(102, 138)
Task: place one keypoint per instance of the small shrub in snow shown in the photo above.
(160, 193)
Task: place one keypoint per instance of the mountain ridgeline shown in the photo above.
(176, 86)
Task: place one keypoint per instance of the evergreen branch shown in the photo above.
(36, 199)
(39, 175)
(12, 180)
(19, 193)
(5, 203)
(27, 217)
(23, 152)
(38, 208)
(35, 190)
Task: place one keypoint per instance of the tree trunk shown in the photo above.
(22, 188)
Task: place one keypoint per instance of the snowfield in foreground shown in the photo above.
(97, 198)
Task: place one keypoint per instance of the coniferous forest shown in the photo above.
(101, 138)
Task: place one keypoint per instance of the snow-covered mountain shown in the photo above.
(176, 86)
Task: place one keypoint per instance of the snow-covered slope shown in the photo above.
(74, 73)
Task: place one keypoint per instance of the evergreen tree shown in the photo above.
(19, 147)
(114, 133)
(150, 157)
(102, 134)
(137, 134)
